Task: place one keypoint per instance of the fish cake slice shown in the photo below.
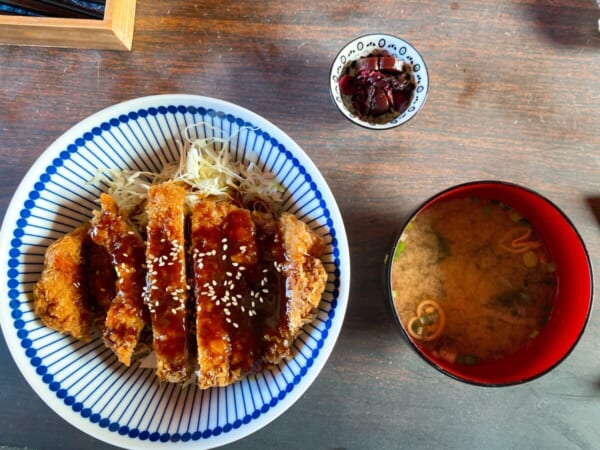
(59, 297)
(126, 316)
(166, 292)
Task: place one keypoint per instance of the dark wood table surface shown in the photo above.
(515, 96)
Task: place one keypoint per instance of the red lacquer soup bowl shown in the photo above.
(573, 291)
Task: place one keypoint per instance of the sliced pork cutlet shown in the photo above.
(243, 282)
(166, 292)
(212, 330)
(99, 280)
(126, 316)
(225, 263)
(295, 251)
(60, 296)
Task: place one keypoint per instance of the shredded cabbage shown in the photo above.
(207, 168)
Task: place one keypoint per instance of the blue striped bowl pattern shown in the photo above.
(83, 382)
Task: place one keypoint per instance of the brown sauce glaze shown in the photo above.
(166, 284)
(240, 292)
(212, 334)
(241, 269)
(100, 278)
(273, 309)
(127, 315)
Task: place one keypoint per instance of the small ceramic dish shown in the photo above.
(480, 290)
(379, 44)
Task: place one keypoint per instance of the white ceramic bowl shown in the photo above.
(399, 48)
(84, 383)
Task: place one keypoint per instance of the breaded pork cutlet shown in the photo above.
(166, 284)
(212, 321)
(126, 317)
(60, 296)
(99, 280)
(243, 280)
(295, 251)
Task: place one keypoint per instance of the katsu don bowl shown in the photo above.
(177, 273)
(490, 283)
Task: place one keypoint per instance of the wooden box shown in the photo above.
(114, 32)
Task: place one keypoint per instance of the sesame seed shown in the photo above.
(228, 319)
(235, 325)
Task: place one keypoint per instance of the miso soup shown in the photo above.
(471, 280)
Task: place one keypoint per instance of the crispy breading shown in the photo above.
(212, 333)
(166, 292)
(99, 280)
(60, 296)
(126, 317)
(306, 276)
(244, 275)
(305, 279)
(257, 281)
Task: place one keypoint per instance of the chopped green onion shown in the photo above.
(428, 319)
(399, 249)
(515, 216)
(534, 334)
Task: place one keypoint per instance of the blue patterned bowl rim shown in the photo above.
(82, 382)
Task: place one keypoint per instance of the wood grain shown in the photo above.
(515, 95)
(113, 32)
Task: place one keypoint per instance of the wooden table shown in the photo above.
(515, 96)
